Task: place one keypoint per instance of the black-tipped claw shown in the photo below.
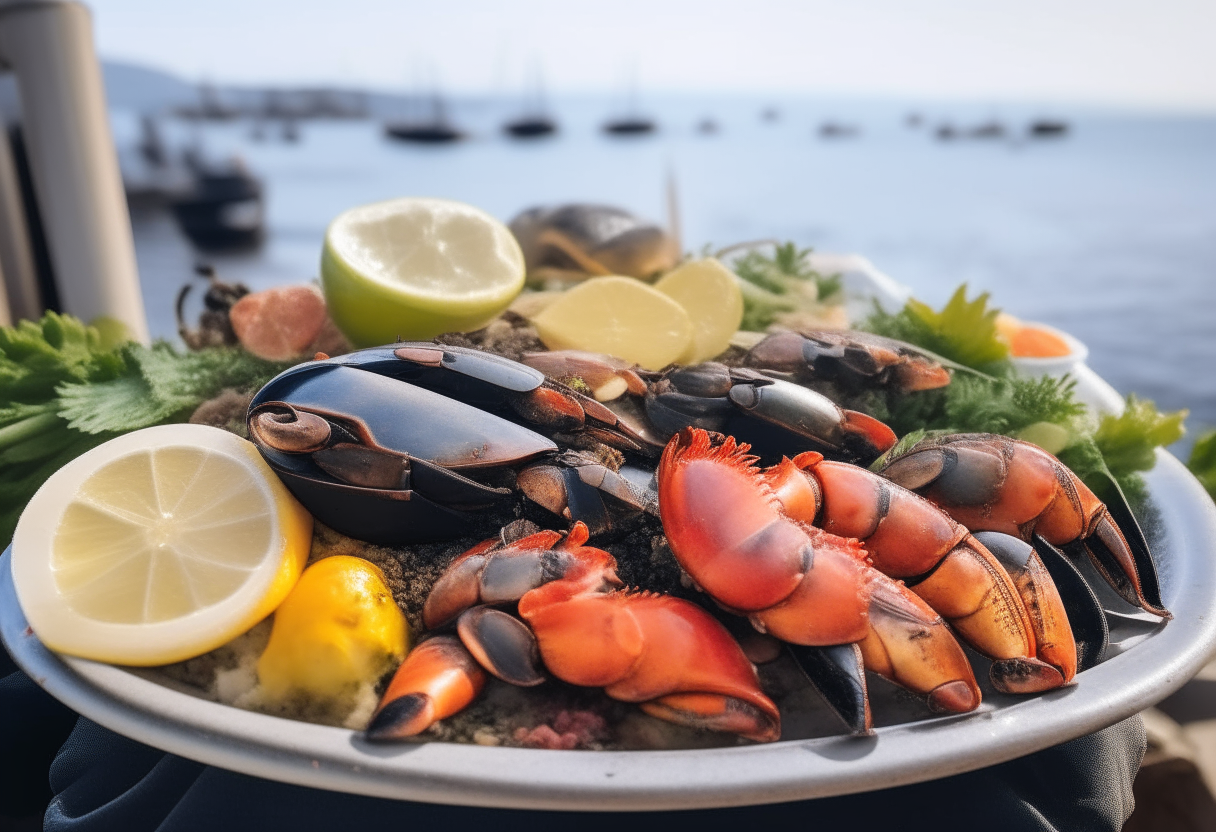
(1103, 548)
(407, 716)
(502, 644)
(1085, 614)
(839, 676)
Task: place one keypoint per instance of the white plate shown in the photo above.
(1146, 663)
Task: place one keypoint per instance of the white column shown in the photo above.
(49, 46)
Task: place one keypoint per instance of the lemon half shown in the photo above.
(157, 546)
(413, 268)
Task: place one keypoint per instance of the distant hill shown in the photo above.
(134, 87)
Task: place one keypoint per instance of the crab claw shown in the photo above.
(856, 359)
(909, 644)
(815, 418)
(437, 679)
(607, 376)
(995, 483)
(496, 573)
(1048, 615)
(666, 654)
(502, 644)
(908, 537)
(727, 528)
(577, 488)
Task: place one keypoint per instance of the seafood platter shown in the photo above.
(523, 564)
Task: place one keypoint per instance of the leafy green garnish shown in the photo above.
(784, 282)
(65, 389)
(982, 404)
(1203, 461)
(998, 401)
(1128, 441)
(158, 385)
(964, 331)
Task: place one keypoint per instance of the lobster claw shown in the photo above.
(437, 679)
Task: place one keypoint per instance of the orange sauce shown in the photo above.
(1031, 342)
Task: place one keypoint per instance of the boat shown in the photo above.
(631, 122)
(838, 130)
(433, 130)
(527, 127)
(534, 122)
(223, 207)
(1048, 128)
(629, 125)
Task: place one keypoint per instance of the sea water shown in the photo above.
(1108, 232)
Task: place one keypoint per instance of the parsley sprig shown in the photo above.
(65, 389)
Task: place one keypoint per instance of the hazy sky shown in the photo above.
(1159, 53)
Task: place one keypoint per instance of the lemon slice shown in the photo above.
(414, 268)
(157, 546)
(618, 316)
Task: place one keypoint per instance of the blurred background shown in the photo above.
(1061, 156)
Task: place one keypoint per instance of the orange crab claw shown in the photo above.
(877, 437)
(662, 652)
(437, 679)
(727, 530)
(655, 650)
(908, 537)
(995, 483)
(1041, 598)
(726, 525)
(909, 644)
(494, 573)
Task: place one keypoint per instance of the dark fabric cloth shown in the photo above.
(106, 782)
(33, 726)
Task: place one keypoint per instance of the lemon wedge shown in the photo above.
(710, 294)
(339, 628)
(413, 268)
(617, 316)
(157, 546)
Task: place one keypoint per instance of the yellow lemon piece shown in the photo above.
(157, 546)
(339, 628)
(413, 268)
(618, 316)
(710, 294)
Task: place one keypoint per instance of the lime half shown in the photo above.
(413, 268)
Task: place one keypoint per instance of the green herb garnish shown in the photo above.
(964, 331)
(1203, 461)
(784, 282)
(995, 400)
(66, 389)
